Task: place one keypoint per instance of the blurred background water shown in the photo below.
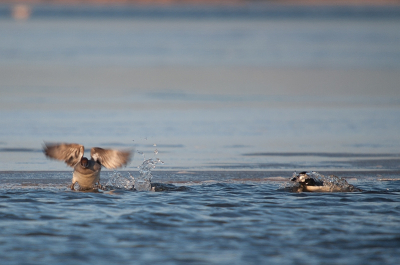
(210, 85)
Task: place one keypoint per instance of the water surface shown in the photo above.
(199, 218)
(233, 100)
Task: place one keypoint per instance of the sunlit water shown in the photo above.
(141, 183)
(200, 218)
(220, 107)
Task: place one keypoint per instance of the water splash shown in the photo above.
(143, 182)
(314, 181)
(117, 181)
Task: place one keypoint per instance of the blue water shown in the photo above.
(253, 35)
(238, 218)
(233, 100)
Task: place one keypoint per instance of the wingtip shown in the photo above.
(128, 156)
(45, 148)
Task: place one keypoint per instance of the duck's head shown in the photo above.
(301, 177)
(84, 162)
(305, 178)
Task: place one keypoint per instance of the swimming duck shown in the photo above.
(307, 182)
(313, 181)
(86, 172)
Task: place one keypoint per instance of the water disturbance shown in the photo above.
(314, 181)
(141, 182)
(237, 98)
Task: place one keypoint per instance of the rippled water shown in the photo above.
(233, 100)
(199, 218)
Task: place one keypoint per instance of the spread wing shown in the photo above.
(71, 154)
(110, 158)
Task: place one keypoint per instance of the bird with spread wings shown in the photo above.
(86, 172)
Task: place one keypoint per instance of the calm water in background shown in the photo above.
(234, 101)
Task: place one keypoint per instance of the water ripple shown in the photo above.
(203, 223)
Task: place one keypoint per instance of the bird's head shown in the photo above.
(84, 162)
(301, 177)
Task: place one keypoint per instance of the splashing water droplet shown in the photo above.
(143, 182)
(117, 181)
(142, 154)
(76, 186)
(139, 183)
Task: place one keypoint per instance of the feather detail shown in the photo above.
(71, 154)
(110, 158)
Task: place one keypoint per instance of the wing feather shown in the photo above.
(110, 158)
(71, 154)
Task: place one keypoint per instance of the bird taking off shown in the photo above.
(86, 172)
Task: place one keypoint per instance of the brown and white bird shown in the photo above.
(86, 172)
